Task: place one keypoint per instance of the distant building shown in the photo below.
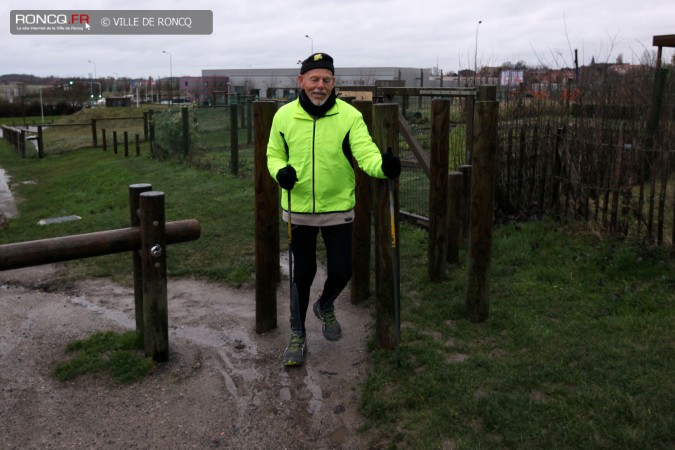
(201, 89)
(112, 102)
(282, 83)
(12, 92)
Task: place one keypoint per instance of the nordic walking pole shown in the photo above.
(290, 243)
(394, 268)
(293, 290)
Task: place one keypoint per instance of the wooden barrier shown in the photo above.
(94, 135)
(361, 229)
(482, 209)
(151, 237)
(266, 223)
(234, 141)
(385, 135)
(137, 142)
(41, 143)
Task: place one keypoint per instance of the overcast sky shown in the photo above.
(370, 33)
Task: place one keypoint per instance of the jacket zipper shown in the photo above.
(313, 165)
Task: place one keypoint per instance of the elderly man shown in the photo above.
(312, 144)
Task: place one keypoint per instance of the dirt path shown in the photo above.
(224, 386)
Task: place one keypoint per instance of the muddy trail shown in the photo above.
(224, 386)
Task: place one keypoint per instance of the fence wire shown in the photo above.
(210, 143)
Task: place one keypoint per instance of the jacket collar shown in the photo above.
(312, 109)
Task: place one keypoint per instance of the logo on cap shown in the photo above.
(318, 56)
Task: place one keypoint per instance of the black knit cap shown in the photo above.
(317, 61)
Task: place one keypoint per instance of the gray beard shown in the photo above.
(318, 103)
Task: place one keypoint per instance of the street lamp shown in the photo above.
(310, 38)
(94, 67)
(170, 77)
(91, 84)
(475, 56)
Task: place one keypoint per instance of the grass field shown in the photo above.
(578, 351)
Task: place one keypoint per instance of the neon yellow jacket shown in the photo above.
(318, 151)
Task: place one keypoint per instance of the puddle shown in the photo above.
(7, 204)
(53, 220)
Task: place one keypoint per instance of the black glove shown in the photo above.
(287, 177)
(391, 165)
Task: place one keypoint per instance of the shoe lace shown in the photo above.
(329, 318)
(297, 342)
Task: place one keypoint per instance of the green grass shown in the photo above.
(577, 353)
(94, 185)
(119, 355)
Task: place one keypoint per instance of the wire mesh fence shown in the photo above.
(598, 148)
(416, 110)
(213, 137)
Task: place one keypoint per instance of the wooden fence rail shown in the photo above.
(67, 248)
(148, 237)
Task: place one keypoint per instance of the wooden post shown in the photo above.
(617, 175)
(532, 194)
(94, 135)
(385, 135)
(482, 209)
(126, 144)
(557, 171)
(234, 140)
(22, 143)
(658, 94)
(115, 141)
(186, 130)
(151, 126)
(672, 222)
(138, 145)
(146, 122)
(153, 262)
(135, 191)
(544, 168)
(104, 140)
(41, 144)
(438, 189)
(266, 223)
(522, 158)
(665, 174)
(455, 208)
(361, 230)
